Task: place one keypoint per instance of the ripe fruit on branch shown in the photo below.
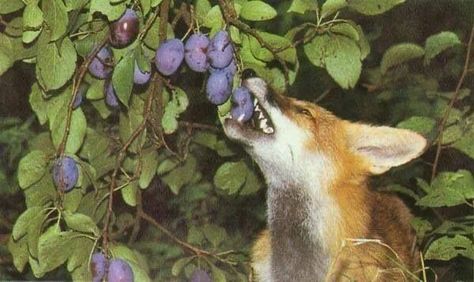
(140, 77)
(65, 173)
(229, 71)
(195, 52)
(242, 110)
(119, 271)
(100, 66)
(200, 275)
(98, 266)
(220, 51)
(218, 88)
(80, 94)
(110, 96)
(125, 30)
(169, 56)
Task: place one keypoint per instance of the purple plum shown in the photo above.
(119, 271)
(98, 267)
(195, 51)
(65, 173)
(220, 51)
(125, 30)
(100, 67)
(200, 275)
(110, 96)
(242, 109)
(140, 77)
(169, 56)
(218, 88)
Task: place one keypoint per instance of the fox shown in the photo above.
(324, 221)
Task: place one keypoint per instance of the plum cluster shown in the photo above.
(122, 33)
(116, 270)
(201, 54)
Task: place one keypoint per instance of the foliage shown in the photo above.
(159, 184)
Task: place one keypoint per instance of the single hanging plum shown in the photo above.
(119, 271)
(220, 51)
(140, 77)
(100, 65)
(218, 88)
(98, 267)
(125, 30)
(200, 275)
(65, 173)
(169, 56)
(195, 52)
(110, 96)
(80, 95)
(242, 110)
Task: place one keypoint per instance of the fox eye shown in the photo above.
(305, 112)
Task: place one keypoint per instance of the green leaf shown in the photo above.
(10, 6)
(55, 64)
(179, 265)
(77, 130)
(373, 7)
(465, 144)
(447, 248)
(201, 9)
(252, 184)
(399, 54)
(38, 103)
(181, 175)
(81, 222)
(78, 261)
(72, 199)
(54, 249)
(346, 29)
(301, 6)
(452, 134)
(421, 227)
(129, 194)
(32, 16)
(122, 78)
(449, 189)
(149, 162)
(166, 166)
(231, 176)
(217, 274)
(437, 43)
(195, 235)
(24, 221)
(422, 125)
(451, 228)
(41, 193)
(331, 6)
(340, 56)
(277, 42)
(111, 11)
(31, 168)
(257, 11)
(55, 16)
(177, 105)
(214, 19)
(19, 251)
(6, 62)
(130, 122)
(214, 234)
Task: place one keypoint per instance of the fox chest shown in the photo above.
(297, 253)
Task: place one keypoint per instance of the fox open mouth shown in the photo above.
(260, 119)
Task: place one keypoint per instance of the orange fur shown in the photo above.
(364, 214)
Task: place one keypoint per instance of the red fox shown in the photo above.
(324, 223)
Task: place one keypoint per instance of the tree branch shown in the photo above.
(451, 104)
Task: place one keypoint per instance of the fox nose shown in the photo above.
(248, 73)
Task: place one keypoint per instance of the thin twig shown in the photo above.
(451, 104)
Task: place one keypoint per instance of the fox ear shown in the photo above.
(384, 147)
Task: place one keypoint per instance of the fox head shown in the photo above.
(292, 139)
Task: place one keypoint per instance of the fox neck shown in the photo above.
(300, 215)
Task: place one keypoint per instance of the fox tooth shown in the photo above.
(255, 102)
(268, 130)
